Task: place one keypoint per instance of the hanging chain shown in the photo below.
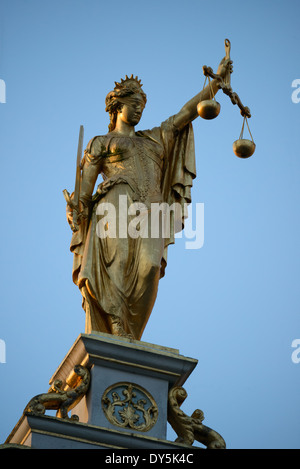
(210, 87)
(243, 126)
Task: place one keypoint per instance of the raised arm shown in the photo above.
(189, 111)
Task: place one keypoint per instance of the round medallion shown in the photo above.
(128, 405)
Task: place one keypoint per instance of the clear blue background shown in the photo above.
(234, 304)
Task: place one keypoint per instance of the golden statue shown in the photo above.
(118, 274)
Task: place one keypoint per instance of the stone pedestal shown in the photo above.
(126, 404)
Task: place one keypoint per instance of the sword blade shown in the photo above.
(78, 167)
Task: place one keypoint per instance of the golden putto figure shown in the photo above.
(118, 275)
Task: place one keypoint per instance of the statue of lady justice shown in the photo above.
(118, 276)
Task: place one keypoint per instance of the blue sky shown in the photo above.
(234, 303)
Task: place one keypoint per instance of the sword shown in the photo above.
(74, 202)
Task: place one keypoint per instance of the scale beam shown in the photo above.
(226, 88)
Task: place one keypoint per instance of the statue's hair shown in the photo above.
(125, 88)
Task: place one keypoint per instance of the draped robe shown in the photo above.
(119, 276)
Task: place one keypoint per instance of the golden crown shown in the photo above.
(123, 83)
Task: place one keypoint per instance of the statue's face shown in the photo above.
(132, 110)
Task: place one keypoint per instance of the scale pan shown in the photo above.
(243, 148)
(208, 109)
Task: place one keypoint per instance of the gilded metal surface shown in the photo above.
(234, 97)
(60, 400)
(190, 428)
(227, 77)
(243, 148)
(74, 202)
(208, 109)
(118, 276)
(128, 405)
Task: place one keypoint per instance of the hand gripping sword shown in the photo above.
(74, 201)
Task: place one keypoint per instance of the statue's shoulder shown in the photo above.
(97, 145)
(156, 132)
